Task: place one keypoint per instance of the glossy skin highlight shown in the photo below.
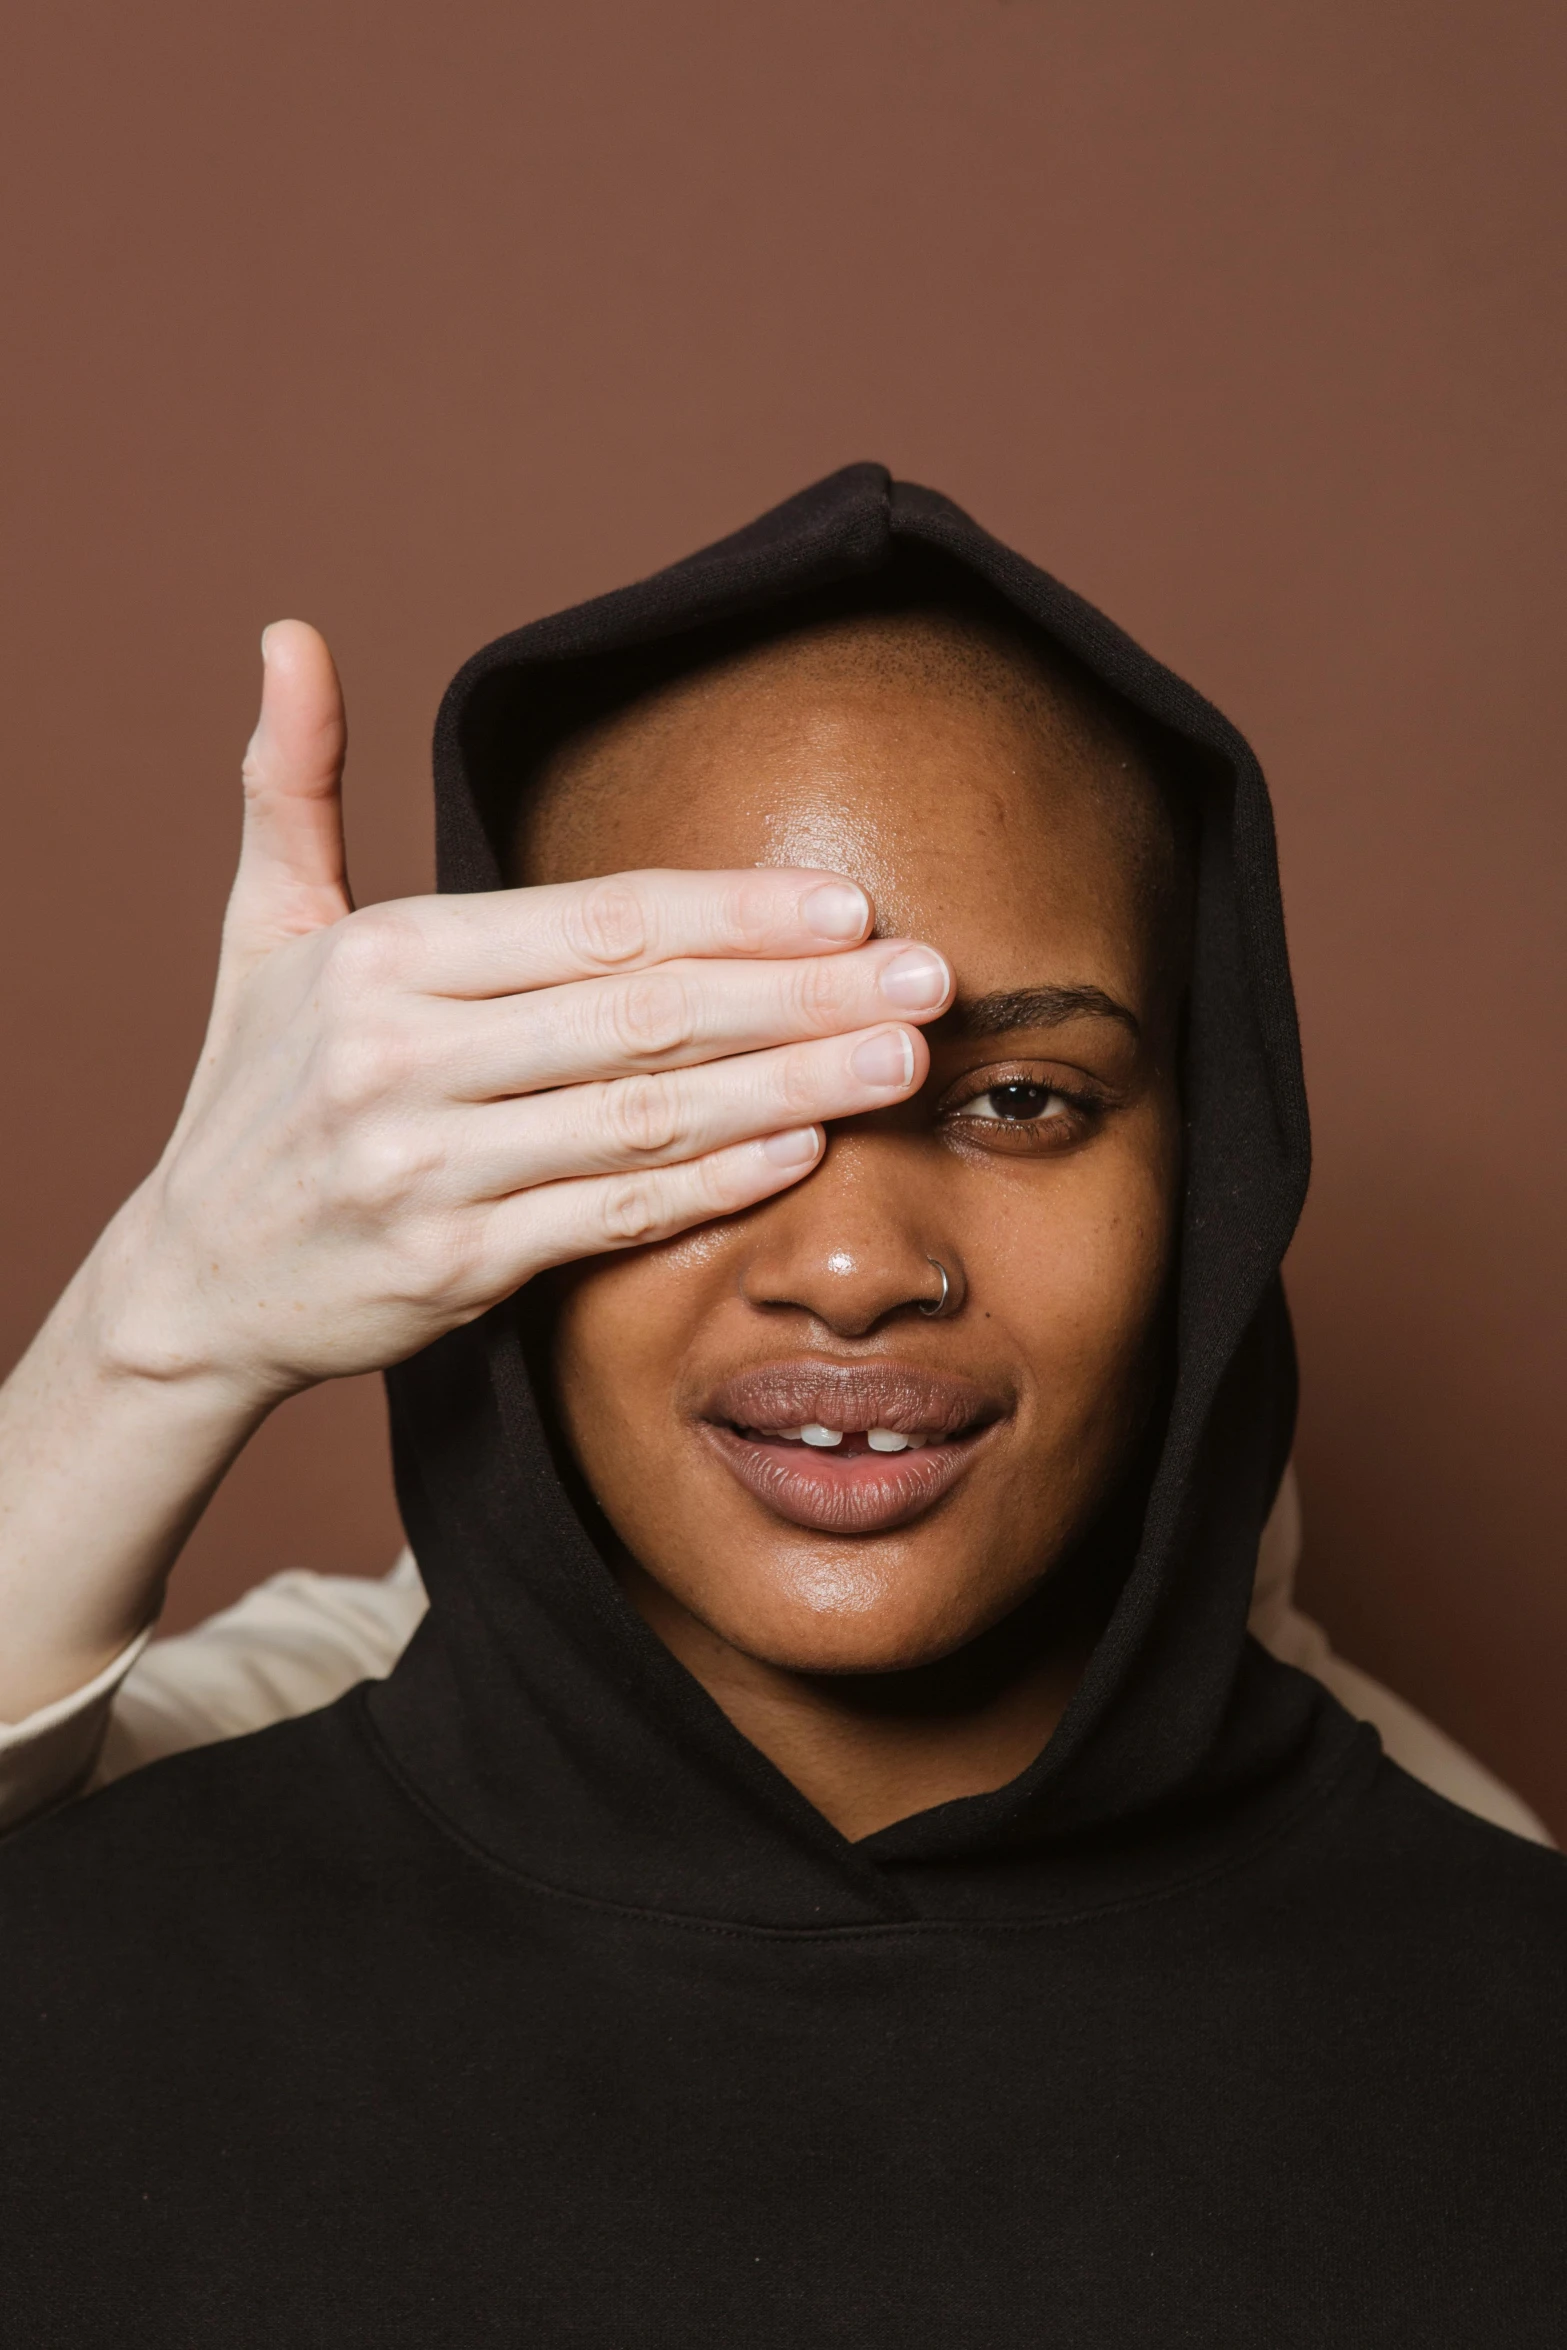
(1039, 1163)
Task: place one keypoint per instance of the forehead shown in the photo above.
(979, 814)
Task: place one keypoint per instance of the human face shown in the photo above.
(1038, 1166)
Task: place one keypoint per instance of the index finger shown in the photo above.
(503, 942)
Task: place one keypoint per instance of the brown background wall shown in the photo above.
(420, 319)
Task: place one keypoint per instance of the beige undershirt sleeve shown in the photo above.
(301, 1640)
(294, 1643)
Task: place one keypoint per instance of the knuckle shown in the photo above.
(747, 912)
(369, 951)
(345, 1073)
(819, 989)
(800, 1084)
(382, 1170)
(644, 1115)
(651, 1016)
(629, 1208)
(441, 1262)
(362, 1062)
(715, 1190)
(607, 923)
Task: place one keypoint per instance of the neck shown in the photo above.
(871, 1748)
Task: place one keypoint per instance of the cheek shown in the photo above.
(1071, 1262)
(605, 1346)
(623, 1327)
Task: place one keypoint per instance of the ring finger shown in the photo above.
(659, 1120)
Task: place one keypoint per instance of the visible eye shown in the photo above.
(1018, 1100)
(1019, 1110)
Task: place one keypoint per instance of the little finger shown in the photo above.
(595, 1216)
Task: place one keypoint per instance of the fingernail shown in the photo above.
(265, 633)
(797, 1148)
(887, 1058)
(836, 910)
(917, 979)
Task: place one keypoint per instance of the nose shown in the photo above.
(854, 1246)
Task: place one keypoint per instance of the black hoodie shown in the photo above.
(519, 2000)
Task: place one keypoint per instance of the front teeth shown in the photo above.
(879, 1439)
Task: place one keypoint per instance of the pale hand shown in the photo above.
(402, 1114)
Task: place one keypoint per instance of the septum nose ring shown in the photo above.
(936, 1306)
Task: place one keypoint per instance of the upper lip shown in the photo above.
(772, 1397)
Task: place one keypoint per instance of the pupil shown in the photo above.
(1020, 1100)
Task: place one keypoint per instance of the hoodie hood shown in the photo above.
(536, 1709)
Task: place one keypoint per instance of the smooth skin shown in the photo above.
(400, 1116)
(1038, 1161)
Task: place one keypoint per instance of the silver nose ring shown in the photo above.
(939, 1306)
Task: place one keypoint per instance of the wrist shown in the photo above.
(115, 1428)
(142, 1319)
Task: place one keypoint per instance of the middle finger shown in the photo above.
(675, 1015)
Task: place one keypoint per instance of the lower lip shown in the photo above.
(865, 1493)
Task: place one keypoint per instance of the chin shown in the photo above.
(854, 1612)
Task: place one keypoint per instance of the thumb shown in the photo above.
(293, 875)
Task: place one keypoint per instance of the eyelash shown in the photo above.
(1051, 1129)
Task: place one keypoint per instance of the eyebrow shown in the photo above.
(1036, 1007)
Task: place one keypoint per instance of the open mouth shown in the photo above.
(847, 1448)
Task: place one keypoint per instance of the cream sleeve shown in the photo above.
(294, 1643)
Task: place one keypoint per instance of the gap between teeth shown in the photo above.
(879, 1439)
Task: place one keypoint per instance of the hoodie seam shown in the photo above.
(1230, 1864)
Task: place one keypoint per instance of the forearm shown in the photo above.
(112, 1440)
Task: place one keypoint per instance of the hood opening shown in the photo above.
(534, 1696)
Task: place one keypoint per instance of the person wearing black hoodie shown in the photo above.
(796, 1890)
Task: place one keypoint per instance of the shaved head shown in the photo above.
(583, 807)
